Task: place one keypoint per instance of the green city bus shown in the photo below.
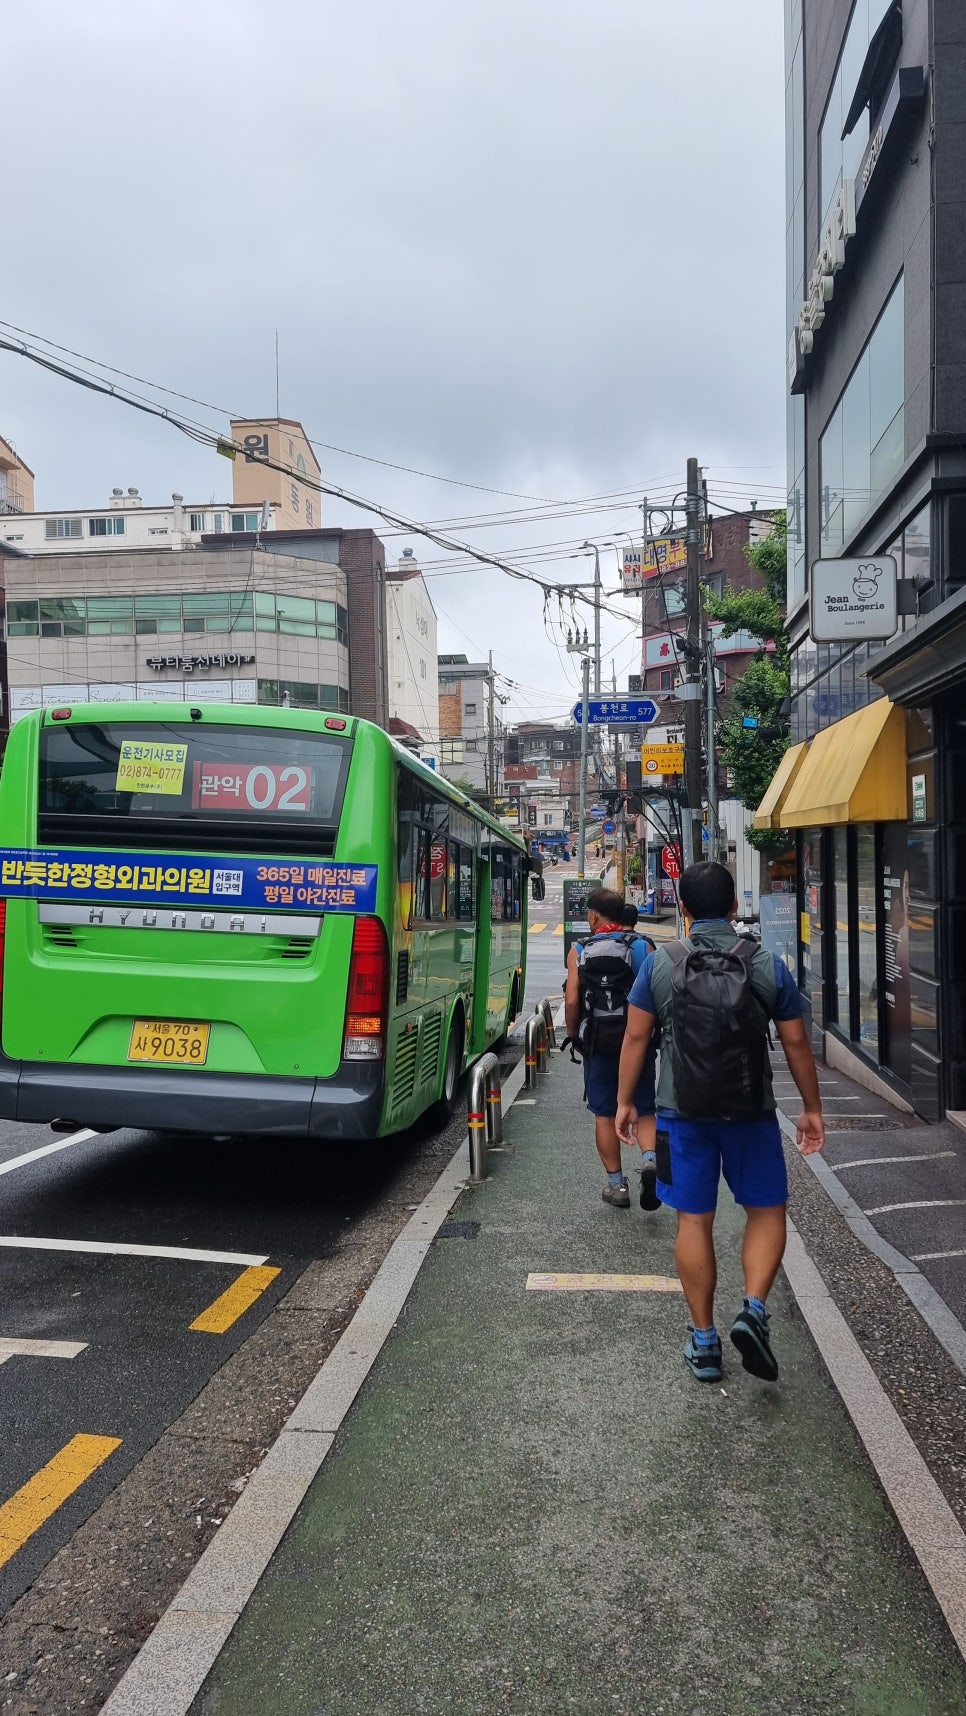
(245, 920)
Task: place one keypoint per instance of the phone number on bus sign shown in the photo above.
(170, 879)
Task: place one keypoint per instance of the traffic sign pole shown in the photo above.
(584, 707)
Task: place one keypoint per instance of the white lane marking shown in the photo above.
(47, 1149)
(918, 1204)
(183, 1254)
(12, 1347)
(934, 1256)
(871, 1161)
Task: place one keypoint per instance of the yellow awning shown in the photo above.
(767, 814)
(854, 772)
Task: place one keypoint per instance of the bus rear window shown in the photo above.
(144, 780)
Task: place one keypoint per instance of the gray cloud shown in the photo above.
(527, 242)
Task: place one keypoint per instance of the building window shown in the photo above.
(113, 525)
(54, 528)
(300, 616)
(244, 520)
(667, 680)
(451, 750)
(23, 619)
(301, 694)
(196, 523)
(558, 765)
(840, 156)
(469, 708)
(863, 444)
(557, 745)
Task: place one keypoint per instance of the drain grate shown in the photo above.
(459, 1230)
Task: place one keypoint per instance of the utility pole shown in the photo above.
(584, 713)
(692, 688)
(490, 749)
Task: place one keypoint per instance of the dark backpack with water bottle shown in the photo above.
(719, 1031)
(605, 971)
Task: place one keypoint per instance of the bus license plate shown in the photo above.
(172, 1041)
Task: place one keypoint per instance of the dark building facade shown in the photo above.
(875, 785)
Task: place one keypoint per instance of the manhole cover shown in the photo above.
(459, 1230)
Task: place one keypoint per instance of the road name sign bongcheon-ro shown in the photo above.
(642, 711)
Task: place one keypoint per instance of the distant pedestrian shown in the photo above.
(601, 972)
(713, 996)
(630, 922)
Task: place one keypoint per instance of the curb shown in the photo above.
(174, 1662)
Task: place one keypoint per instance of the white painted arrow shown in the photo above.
(12, 1347)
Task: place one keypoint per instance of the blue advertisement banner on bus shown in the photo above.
(179, 879)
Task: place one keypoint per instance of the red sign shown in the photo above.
(671, 860)
(251, 786)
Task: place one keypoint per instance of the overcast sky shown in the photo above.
(534, 245)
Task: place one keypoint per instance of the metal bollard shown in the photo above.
(545, 1007)
(536, 1049)
(484, 1117)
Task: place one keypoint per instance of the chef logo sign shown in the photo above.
(853, 599)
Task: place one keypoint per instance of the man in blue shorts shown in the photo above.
(695, 1147)
(599, 1042)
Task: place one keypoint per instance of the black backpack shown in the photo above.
(605, 970)
(719, 1031)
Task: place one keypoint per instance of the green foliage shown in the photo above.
(765, 685)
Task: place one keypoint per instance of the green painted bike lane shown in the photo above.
(533, 1508)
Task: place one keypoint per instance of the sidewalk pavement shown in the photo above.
(532, 1507)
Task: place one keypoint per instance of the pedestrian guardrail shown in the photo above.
(484, 1112)
(545, 1009)
(536, 1049)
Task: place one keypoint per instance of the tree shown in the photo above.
(763, 690)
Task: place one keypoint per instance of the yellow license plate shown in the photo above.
(172, 1041)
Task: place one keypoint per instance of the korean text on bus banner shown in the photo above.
(173, 879)
(147, 766)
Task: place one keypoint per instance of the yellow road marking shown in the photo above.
(43, 1494)
(558, 930)
(235, 1301)
(536, 928)
(563, 1283)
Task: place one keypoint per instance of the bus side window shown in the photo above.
(452, 879)
(517, 885)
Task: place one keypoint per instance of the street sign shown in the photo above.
(610, 828)
(598, 813)
(671, 862)
(662, 760)
(643, 711)
(853, 599)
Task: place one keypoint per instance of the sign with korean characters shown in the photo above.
(662, 759)
(178, 879)
(662, 554)
(146, 766)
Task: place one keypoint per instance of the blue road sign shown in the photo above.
(610, 828)
(598, 812)
(601, 710)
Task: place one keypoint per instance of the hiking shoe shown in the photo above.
(703, 1362)
(618, 1196)
(749, 1333)
(649, 1197)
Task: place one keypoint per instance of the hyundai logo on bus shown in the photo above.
(179, 879)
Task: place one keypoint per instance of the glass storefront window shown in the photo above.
(867, 893)
(840, 859)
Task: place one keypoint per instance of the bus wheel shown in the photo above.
(442, 1109)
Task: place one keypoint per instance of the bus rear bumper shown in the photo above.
(149, 1099)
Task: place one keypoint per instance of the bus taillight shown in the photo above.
(365, 1017)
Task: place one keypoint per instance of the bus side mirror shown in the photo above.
(538, 888)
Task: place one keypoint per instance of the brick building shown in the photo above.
(544, 761)
(664, 608)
